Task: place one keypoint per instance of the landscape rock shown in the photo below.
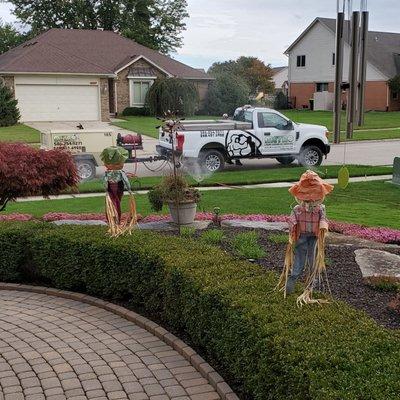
(79, 222)
(269, 226)
(337, 239)
(378, 264)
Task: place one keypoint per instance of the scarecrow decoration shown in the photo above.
(307, 229)
(116, 181)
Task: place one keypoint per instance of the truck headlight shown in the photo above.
(327, 134)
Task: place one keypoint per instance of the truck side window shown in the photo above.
(271, 120)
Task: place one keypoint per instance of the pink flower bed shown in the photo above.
(16, 217)
(383, 235)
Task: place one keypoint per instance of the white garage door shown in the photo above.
(42, 102)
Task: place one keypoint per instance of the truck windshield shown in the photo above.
(243, 115)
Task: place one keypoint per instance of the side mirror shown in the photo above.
(289, 126)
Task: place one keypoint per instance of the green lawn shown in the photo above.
(239, 177)
(373, 119)
(147, 125)
(372, 135)
(369, 203)
(19, 133)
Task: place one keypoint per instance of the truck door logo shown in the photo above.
(283, 142)
(242, 144)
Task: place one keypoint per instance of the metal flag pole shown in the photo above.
(337, 109)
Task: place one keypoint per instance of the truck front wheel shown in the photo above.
(212, 161)
(86, 169)
(310, 156)
(286, 160)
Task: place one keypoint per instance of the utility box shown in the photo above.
(323, 101)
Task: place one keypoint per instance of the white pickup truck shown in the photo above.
(252, 133)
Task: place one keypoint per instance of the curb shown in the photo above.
(205, 369)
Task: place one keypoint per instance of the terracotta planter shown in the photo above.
(187, 212)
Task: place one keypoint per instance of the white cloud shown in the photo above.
(225, 29)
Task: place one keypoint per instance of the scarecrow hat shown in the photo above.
(114, 155)
(310, 187)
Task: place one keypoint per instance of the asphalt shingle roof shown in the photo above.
(383, 48)
(86, 51)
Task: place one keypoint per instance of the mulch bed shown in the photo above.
(345, 280)
(344, 276)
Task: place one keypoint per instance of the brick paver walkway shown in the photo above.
(55, 348)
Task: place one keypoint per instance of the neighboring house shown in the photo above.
(312, 65)
(280, 78)
(83, 75)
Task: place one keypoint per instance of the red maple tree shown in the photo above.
(26, 171)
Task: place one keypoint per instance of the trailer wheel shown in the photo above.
(286, 160)
(86, 169)
(212, 161)
(311, 156)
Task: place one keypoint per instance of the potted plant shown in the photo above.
(178, 195)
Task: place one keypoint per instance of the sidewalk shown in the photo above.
(209, 188)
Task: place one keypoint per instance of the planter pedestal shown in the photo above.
(187, 213)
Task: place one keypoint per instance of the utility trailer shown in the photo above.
(86, 146)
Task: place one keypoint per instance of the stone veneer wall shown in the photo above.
(122, 84)
(104, 100)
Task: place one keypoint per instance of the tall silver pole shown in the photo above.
(353, 73)
(363, 67)
(337, 108)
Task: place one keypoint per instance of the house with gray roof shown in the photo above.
(312, 65)
(84, 75)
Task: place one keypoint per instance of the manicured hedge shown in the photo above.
(265, 346)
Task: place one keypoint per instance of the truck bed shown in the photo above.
(215, 125)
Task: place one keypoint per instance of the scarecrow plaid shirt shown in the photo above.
(308, 221)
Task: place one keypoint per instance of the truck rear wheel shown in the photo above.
(86, 169)
(311, 156)
(286, 160)
(212, 161)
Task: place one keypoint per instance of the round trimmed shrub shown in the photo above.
(172, 94)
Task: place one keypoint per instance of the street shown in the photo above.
(363, 152)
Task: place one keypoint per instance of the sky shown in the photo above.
(220, 30)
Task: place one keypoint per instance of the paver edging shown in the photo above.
(205, 369)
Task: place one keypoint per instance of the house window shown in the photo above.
(333, 58)
(321, 87)
(301, 61)
(139, 91)
(395, 95)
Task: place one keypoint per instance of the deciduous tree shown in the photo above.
(9, 37)
(26, 171)
(255, 73)
(157, 24)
